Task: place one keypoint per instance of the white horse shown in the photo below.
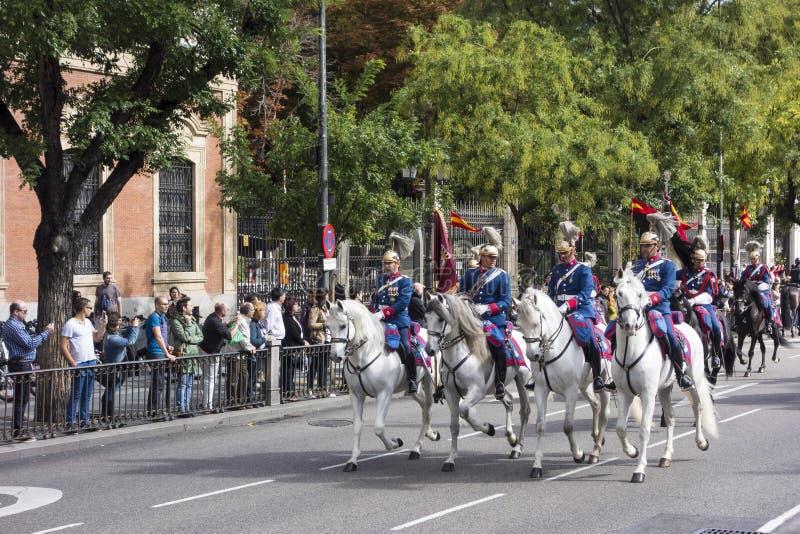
(468, 371)
(639, 369)
(562, 369)
(371, 371)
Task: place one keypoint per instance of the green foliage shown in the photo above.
(364, 154)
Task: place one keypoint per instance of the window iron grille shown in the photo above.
(176, 217)
(88, 261)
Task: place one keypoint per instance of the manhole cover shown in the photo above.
(330, 422)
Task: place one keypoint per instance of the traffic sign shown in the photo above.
(328, 241)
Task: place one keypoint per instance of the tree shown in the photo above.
(517, 125)
(157, 62)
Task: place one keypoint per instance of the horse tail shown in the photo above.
(707, 416)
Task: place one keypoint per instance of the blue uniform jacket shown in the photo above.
(658, 280)
(759, 273)
(393, 296)
(575, 289)
(697, 283)
(496, 293)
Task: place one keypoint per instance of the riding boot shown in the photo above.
(499, 356)
(593, 357)
(676, 357)
(411, 368)
(716, 351)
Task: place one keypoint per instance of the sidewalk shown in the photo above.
(43, 447)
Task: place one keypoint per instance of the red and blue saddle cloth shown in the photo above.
(658, 327)
(496, 336)
(582, 328)
(417, 342)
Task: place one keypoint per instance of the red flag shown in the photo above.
(744, 217)
(682, 226)
(457, 221)
(445, 265)
(637, 206)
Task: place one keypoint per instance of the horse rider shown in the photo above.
(794, 273)
(572, 287)
(391, 304)
(489, 288)
(759, 273)
(701, 289)
(658, 277)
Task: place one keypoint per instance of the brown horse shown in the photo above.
(749, 313)
(790, 302)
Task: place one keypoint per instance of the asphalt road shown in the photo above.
(285, 475)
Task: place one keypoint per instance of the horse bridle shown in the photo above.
(624, 363)
(348, 351)
(444, 343)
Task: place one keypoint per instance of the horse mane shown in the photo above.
(469, 325)
(359, 314)
(627, 277)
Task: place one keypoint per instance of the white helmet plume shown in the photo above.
(569, 231)
(590, 259)
(401, 244)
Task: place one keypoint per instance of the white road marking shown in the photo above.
(793, 357)
(778, 521)
(448, 511)
(56, 529)
(737, 388)
(503, 426)
(213, 493)
(365, 459)
(28, 498)
(649, 446)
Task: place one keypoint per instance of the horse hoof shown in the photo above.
(746, 374)
(703, 446)
(448, 467)
(603, 442)
(593, 459)
(399, 443)
(581, 459)
(663, 421)
(413, 455)
(350, 467)
(490, 432)
(514, 455)
(436, 436)
(762, 369)
(637, 478)
(635, 452)
(536, 473)
(665, 462)
(776, 359)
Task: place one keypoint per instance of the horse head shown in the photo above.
(346, 319)
(439, 319)
(534, 309)
(631, 302)
(453, 318)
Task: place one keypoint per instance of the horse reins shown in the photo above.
(627, 368)
(349, 351)
(546, 344)
(446, 344)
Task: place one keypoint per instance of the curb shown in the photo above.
(43, 447)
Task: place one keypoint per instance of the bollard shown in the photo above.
(273, 362)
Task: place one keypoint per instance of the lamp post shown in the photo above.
(667, 177)
(322, 141)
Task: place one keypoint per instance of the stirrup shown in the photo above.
(686, 382)
(499, 390)
(598, 384)
(412, 386)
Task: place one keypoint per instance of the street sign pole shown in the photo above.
(322, 142)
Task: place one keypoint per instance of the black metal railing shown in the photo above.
(104, 396)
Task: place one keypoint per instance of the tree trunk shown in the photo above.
(55, 256)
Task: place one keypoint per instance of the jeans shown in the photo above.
(155, 397)
(82, 386)
(22, 391)
(112, 381)
(184, 392)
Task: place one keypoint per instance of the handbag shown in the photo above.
(238, 337)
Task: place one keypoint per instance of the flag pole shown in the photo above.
(630, 238)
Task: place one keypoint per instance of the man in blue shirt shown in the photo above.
(156, 331)
(658, 277)
(21, 354)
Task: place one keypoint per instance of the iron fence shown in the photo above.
(104, 396)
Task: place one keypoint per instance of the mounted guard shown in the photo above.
(759, 273)
(572, 288)
(390, 303)
(489, 289)
(657, 274)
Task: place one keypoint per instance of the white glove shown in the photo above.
(564, 308)
(691, 302)
(378, 315)
(480, 309)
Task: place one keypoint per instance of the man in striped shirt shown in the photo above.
(21, 353)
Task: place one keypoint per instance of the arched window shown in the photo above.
(89, 258)
(176, 216)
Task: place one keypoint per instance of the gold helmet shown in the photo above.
(754, 255)
(562, 245)
(391, 256)
(489, 250)
(648, 238)
(700, 254)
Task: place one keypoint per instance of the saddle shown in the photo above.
(502, 336)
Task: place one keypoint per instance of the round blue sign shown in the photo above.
(328, 241)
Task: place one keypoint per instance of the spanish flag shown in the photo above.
(682, 226)
(747, 222)
(637, 206)
(458, 222)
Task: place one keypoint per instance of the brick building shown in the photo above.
(163, 229)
